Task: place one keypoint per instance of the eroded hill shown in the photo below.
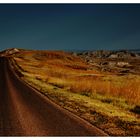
(121, 62)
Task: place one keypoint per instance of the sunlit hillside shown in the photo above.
(105, 99)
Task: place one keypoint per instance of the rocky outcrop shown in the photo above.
(9, 52)
(108, 54)
(123, 54)
(121, 61)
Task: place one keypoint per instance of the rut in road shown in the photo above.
(26, 112)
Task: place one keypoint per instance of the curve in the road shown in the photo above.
(26, 112)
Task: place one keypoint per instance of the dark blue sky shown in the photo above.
(70, 27)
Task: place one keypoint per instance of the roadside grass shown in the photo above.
(115, 120)
(128, 89)
(105, 100)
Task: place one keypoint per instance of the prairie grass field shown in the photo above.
(107, 100)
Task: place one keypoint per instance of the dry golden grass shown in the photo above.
(103, 99)
(129, 90)
(64, 70)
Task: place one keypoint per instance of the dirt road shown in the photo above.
(26, 112)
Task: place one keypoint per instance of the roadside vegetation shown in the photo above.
(106, 100)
